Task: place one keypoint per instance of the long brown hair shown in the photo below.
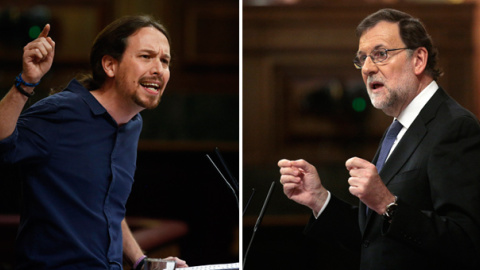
(112, 40)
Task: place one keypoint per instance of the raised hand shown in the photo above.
(38, 56)
(366, 184)
(302, 184)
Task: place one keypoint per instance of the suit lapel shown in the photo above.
(412, 138)
(406, 147)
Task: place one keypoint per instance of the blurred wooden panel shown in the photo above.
(74, 25)
(76, 30)
(209, 31)
(291, 53)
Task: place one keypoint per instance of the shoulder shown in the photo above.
(62, 105)
(54, 103)
(454, 123)
(455, 115)
(443, 111)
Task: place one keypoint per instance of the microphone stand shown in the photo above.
(229, 185)
(259, 220)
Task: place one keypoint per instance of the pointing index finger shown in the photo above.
(45, 31)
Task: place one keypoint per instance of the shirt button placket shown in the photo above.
(108, 213)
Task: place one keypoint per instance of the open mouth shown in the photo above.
(155, 87)
(376, 85)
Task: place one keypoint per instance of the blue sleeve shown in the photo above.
(34, 135)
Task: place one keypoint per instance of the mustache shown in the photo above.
(152, 79)
(371, 79)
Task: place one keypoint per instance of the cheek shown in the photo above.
(166, 76)
(365, 80)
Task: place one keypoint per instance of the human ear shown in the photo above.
(420, 59)
(109, 65)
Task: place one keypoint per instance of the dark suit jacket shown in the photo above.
(435, 172)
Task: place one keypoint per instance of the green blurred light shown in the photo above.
(34, 31)
(359, 104)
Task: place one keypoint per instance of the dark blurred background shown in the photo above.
(179, 205)
(303, 98)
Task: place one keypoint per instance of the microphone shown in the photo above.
(224, 179)
(248, 202)
(259, 220)
(232, 178)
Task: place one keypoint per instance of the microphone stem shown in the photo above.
(259, 220)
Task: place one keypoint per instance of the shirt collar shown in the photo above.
(95, 106)
(413, 109)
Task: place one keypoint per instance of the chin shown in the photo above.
(148, 104)
(152, 106)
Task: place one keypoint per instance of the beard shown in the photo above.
(137, 96)
(147, 103)
(388, 99)
(393, 99)
(391, 102)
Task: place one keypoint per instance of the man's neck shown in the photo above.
(119, 108)
(423, 82)
(426, 81)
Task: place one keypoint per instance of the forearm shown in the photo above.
(37, 60)
(131, 249)
(11, 107)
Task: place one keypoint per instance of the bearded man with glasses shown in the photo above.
(420, 196)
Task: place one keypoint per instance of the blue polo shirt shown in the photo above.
(77, 169)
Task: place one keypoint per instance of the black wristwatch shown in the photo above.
(390, 211)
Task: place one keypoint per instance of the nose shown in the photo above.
(369, 67)
(158, 67)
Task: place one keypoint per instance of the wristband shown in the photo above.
(139, 263)
(19, 80)
(22, 91)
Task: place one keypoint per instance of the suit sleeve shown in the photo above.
(338, 223)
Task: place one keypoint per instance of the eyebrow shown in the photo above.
(155, 52)
(374, 48)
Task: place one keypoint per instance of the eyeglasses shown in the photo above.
(377, 56)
